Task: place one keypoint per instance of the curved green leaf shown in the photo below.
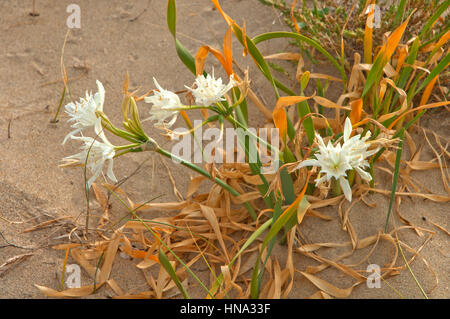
(302, 38)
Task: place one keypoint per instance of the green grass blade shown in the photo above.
(276, 214)
(132, 212)
(284, 34)
(61, 100)
(400, 13)
(303, 110)
(201, 171)
(168, 267)
(439, 11)
(374, 74)
(183, 54)
(274, 230)
(395, 178)
(436, 71)
(410, 271)
(257, 56)
(249, 241)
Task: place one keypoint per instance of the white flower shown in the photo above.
(83, 112)
(97, 153)
(209, 91)
(335, 160)
(166, 104)
(357, 148)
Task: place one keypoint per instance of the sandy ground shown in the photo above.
(32, 184)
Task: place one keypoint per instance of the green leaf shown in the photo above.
(249, 241)
(172, 17)
(284, 34)
(400, 13)
(395, 179)
(435, 72)
(374, 74)
(303, 110)
(183, 54)
(274, 230)
(440, 10)
(257, 56)
(168, 267)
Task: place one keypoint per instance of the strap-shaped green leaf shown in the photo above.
(164, 261)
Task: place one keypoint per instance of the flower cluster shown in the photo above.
(335, 160)
(88, 112)
(93, 153)
(167, 104)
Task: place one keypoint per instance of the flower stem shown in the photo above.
(206, 174)
(335, 187)
(124, 147)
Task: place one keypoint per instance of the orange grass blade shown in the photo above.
(294, 21)
(384, 55)
(200, 58)
(427, 92)
(186, 119)
(279, 114)
(356, 112)
(202, 54)
(422, 107)
(392, 42)
(224, 15)
(368, 34)
(64, 267)
(244, 38)
(228, 51)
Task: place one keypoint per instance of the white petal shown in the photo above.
(100, 96)
(347, 129)
(70, 135)
(372, 152)
(364, 175)
(110, 172)
(345, 186)
(157, 85)
(321, 180)
(309, 162)
(320, 141)
(70, 107)
(92, 179)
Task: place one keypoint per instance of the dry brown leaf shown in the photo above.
(327, 287)
(209, 214)
(194, 185)
(13, 260)
(71, 292)
(320, 295)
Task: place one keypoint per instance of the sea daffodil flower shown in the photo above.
(97, 154)
(335, 160)
(83, 112)
(209, 90)
(166, 104)
(357, 148)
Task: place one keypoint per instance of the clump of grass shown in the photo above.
(323, 21)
